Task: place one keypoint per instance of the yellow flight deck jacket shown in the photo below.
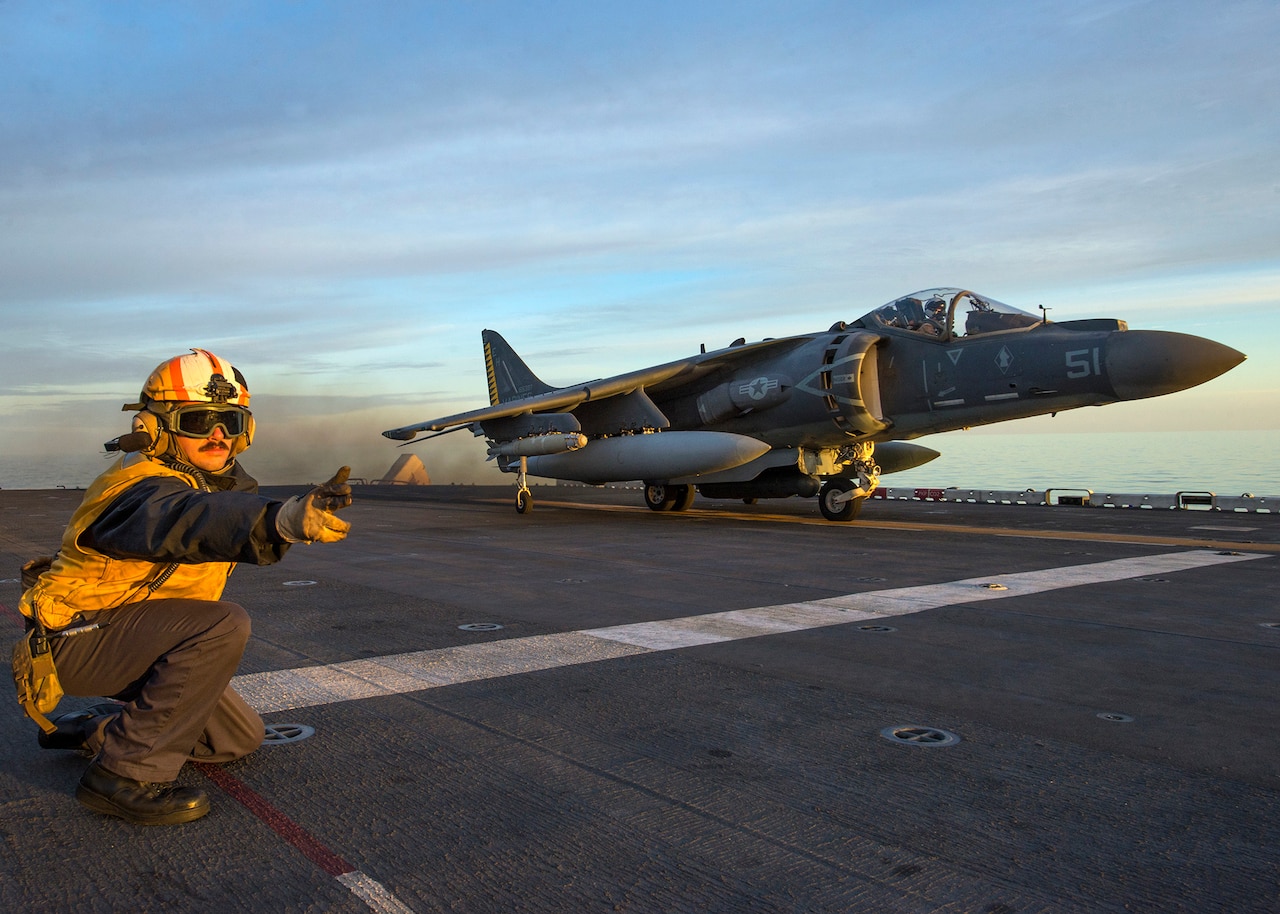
(148, 530)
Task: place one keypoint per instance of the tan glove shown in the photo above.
(309, 518)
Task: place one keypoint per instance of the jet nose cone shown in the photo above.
(1150, 363)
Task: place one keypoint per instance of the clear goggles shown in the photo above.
(199, 420)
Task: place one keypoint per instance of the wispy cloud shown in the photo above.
(340, 198)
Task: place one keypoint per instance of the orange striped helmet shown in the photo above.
(200, 377)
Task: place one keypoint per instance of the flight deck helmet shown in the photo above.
(191, 395)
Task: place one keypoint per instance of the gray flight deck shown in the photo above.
(738, 709)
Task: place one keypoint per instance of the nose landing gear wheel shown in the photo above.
(524, 502)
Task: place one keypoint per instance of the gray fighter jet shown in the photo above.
(822, 414)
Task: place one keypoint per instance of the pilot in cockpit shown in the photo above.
(920, 318)
(935, 315)
(912, 314)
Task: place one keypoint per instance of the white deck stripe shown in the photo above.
(373, 893)
(283, 690)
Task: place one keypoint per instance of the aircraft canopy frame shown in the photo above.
(933, 312)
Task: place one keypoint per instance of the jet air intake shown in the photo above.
(849, 384)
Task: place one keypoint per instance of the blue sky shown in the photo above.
(338, 197)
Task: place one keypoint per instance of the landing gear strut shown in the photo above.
(841, 498)
(524, 498)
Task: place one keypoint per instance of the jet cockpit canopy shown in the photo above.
(946, 313)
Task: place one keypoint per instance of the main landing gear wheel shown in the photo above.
(661, 497)
(656, 497)
(834, 501)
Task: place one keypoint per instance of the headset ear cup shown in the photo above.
(145, 422)
(150, 423)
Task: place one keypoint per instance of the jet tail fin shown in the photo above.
(509, 377)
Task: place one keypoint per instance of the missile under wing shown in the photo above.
(823, 413)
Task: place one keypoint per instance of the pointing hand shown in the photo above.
(309, 518)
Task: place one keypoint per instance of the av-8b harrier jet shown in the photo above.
(822, 414)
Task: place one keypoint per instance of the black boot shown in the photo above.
(75, 727)
(139, 802)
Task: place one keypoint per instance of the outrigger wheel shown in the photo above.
(524, 498)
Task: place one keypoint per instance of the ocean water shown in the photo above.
(1226, 463)
(1156, 463)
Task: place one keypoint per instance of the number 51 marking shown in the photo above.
(1079, 364)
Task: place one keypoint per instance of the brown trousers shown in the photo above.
(171, 662)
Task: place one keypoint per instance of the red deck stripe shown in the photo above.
(281, 824)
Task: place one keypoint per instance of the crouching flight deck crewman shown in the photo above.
(132, 602)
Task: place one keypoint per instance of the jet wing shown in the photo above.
(563, 399)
